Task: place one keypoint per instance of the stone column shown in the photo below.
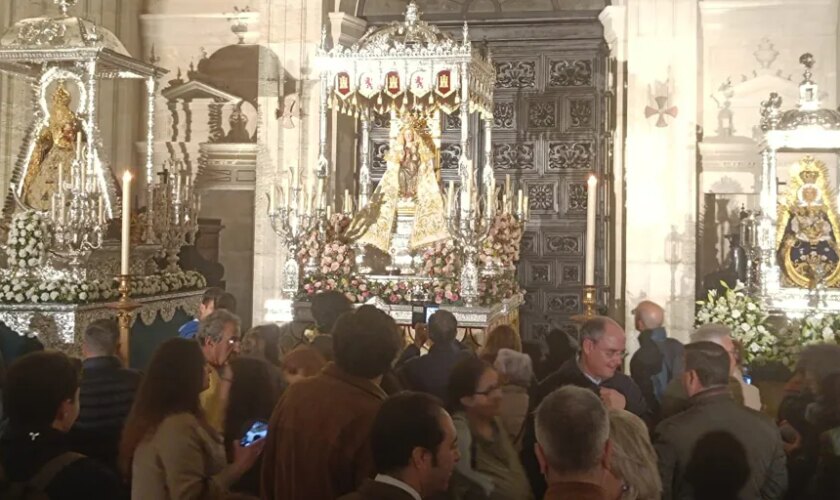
(661, 157)
(614, 19)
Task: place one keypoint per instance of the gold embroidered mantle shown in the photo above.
(807, 228)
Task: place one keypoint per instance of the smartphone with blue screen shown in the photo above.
(258, 430)
(429, 311)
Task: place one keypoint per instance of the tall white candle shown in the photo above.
(348, 207)
(507, 185)
(450, 196)
(527, 208)
(519, 201)
(126, 222)
(591, 208)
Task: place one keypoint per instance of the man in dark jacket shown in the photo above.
(106, 394)
(430, 373)
(659, 358)
(414, 448)
(318, 439)
(602, 343)
(41, 392)
(712, 409)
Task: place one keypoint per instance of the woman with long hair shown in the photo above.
(633, 457)
(168, 449)
(501, 337)
(489, 466)
(252, 397)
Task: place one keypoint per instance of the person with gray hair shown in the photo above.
(659, 358)
(573, 446)
(218, 336)
(516, 372)
(602, 344)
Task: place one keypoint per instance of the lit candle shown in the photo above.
(505, 202)
(319, 192)
(591, 206)
(527, 208)
(450, 196)
(507, 185)
(347, 206)
(126, 221)
(329, 211)
(519, 201)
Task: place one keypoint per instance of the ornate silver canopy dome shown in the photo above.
(808, 114)
(411, 35)
(55, 33)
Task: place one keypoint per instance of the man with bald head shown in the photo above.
(602, 348)
(659, 359)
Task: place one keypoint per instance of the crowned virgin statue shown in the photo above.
(409, 188)
(807, 235)
(55, 149)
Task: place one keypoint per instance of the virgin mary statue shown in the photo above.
(409, 186)
(55, 149)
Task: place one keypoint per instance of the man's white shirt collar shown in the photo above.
(382, 478)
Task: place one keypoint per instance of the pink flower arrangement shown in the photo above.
(503, 241)
(440, 260)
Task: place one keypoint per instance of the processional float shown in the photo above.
(409, 73)
(64, 264)
(792, 240)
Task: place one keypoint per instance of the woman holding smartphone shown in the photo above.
(168, 450)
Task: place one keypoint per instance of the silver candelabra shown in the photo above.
(293, 220)
(77, 213)
(175, 211)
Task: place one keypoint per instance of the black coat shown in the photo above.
(570, 374)
(657, 362)
(22, 457)
(430, 373)
(106, 393)
(714, 410)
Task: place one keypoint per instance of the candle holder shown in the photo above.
(77, 215)
(590, 302)
(176, 206)
(469, 224)
(124, 308)
(293, 224)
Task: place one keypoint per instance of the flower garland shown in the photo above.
(65, 290)
(25, 248)
(336, 255)
(746, 317)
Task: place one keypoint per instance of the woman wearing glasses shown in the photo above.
(489, 466)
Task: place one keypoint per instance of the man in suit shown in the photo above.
(430, 373)
(602, 344)
(712, 410)
(414, 448)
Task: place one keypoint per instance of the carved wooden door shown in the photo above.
(550, 134)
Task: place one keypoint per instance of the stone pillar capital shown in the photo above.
(614, 20)
(346, 29)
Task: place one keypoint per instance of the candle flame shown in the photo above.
(593, 180)
(127, 176)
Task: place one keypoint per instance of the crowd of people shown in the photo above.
(350, 412)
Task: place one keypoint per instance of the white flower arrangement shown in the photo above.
(816, 328)
(746, 317)
(25, 248)
(62, 290)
